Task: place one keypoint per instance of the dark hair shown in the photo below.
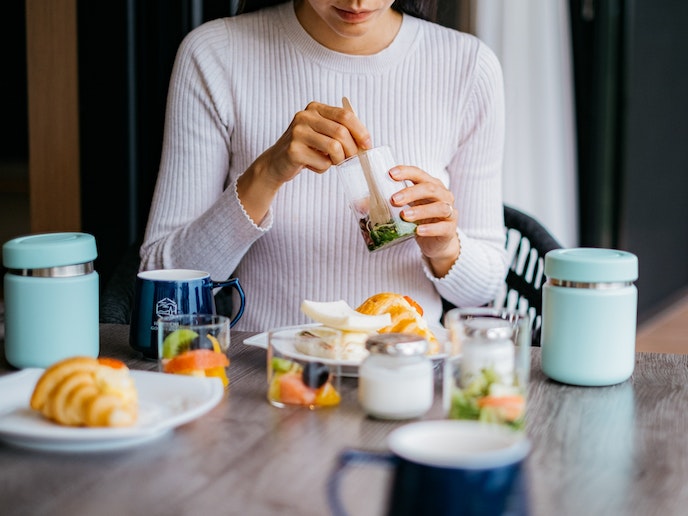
(425, 9)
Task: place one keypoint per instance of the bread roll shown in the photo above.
(84, 391)
(405, 317)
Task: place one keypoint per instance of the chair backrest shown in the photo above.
(527, 242)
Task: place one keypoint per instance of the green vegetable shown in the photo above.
(380, 234)
(465, 402)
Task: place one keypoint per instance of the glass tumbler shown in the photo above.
(195, 345)
(298, 374)
(487, 366)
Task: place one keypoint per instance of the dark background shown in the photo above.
(631, 83)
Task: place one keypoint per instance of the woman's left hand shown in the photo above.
(431, 207)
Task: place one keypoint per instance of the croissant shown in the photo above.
(84, 391)
(406, 316)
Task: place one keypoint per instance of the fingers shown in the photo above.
(427, 202)
(321, 136)
(339, 124)
(428, 198)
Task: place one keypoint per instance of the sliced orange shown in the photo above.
(327, 396)
(219, 372)
(196, 359)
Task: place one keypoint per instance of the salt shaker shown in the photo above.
(589, 306)
(396, 380)
(51, 298)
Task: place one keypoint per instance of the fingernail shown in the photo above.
(393, 172)
(398, 198)
(407, 215)
(368, 144)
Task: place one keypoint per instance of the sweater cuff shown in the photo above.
(469, 282)
(265, 224)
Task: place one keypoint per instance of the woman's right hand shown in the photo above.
(317, 138)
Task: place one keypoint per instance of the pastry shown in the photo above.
(355, 328)
(406, 314)
(84, 391)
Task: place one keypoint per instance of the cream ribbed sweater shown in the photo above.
(434, 95)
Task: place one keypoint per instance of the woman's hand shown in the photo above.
(317, 138)
(431, 206)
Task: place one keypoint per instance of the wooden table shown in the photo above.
(620, 450)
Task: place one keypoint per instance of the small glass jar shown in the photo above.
(396, 380)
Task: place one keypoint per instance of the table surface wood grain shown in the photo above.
(619, 450)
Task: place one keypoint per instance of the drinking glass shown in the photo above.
(487, 366)
(295, 376)
(194, 344)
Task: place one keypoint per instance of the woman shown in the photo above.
(254, 123)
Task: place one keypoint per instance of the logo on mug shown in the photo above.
(165, 307)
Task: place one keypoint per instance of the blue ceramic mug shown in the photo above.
(164, 292)
(447, 467)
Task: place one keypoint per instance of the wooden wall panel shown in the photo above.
(52, 74)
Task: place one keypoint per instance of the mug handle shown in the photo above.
(346, 458)
(233, 282)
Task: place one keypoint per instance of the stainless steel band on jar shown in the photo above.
(587, 285)
(64, 271)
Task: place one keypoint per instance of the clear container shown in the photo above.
(295, 377)
(396, 380)
(589, 307)
(51, 298)
(369, 187)
(488, 366)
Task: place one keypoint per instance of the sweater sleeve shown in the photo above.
(476, 182)
(196, 219)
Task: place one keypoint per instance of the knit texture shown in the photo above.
(435, 95)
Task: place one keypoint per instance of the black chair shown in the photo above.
(527, 242)
(117, 297)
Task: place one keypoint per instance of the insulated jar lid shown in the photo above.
(49, 250)
(591, 265)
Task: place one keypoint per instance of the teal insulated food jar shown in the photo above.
(51, 298)
(589, 309)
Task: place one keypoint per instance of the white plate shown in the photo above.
(287, 349)
(260, 340)
(166, 401)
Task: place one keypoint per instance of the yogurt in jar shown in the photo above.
(396, 380)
